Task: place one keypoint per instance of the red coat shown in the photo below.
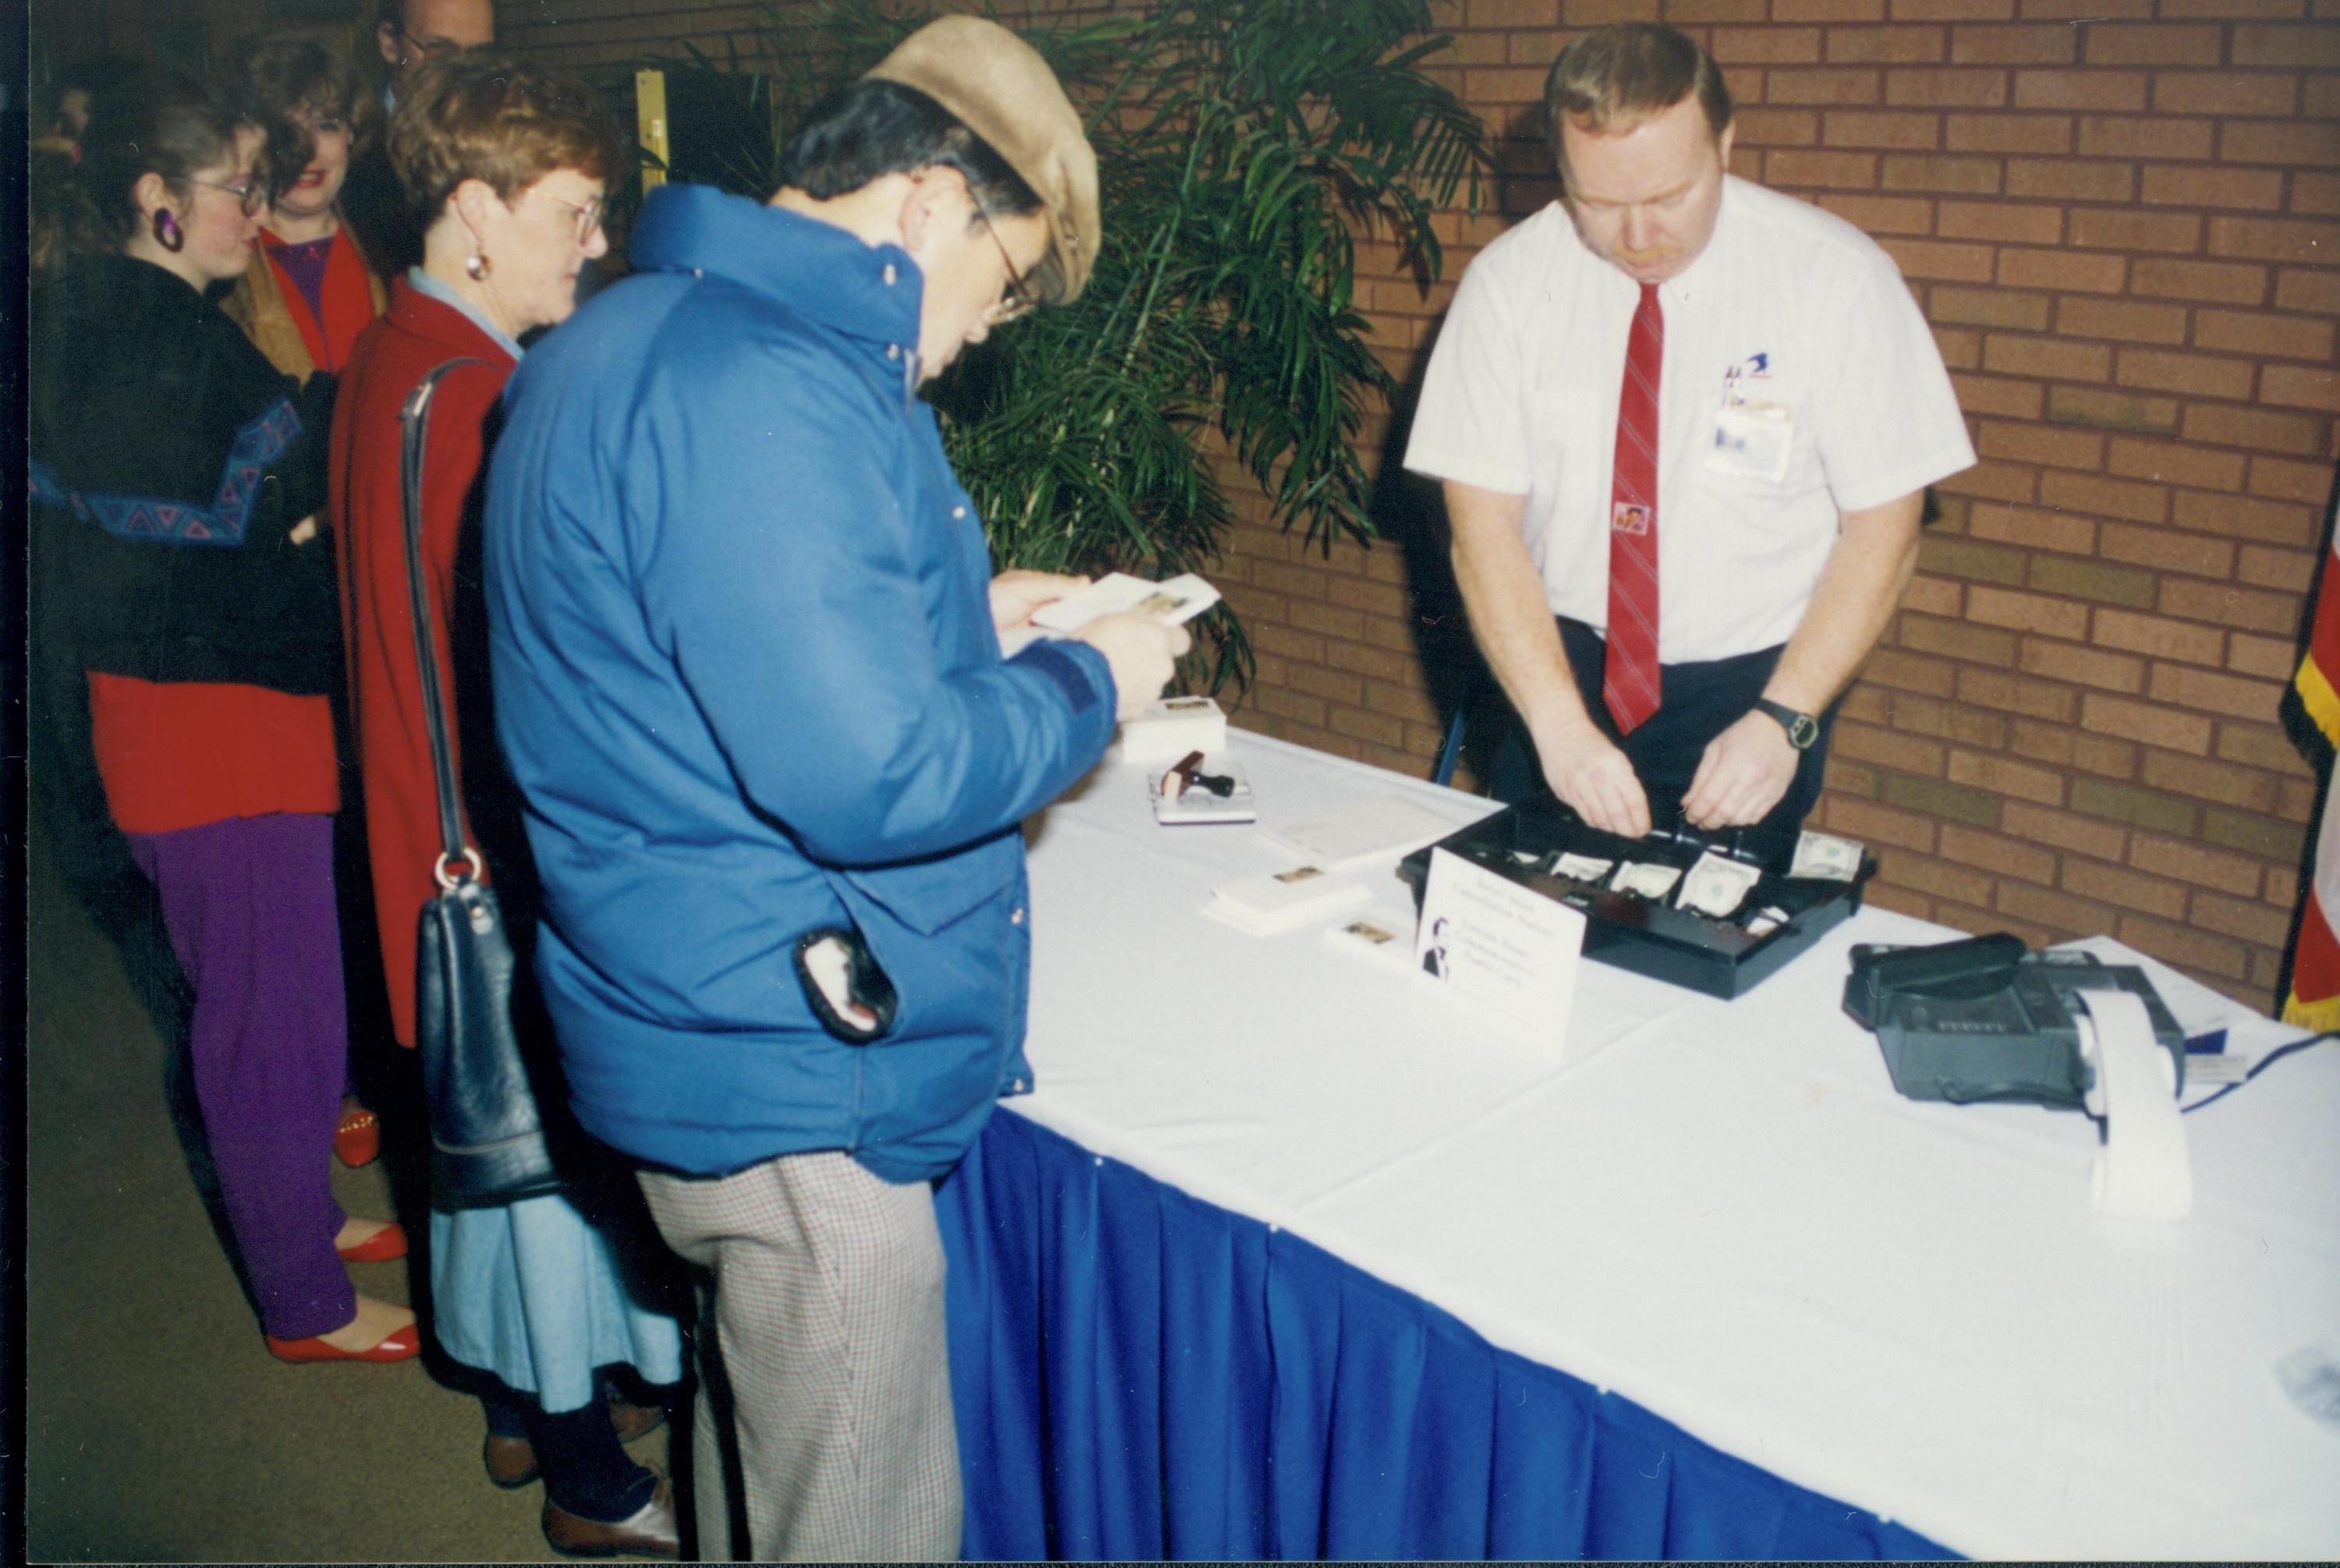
(385, 691)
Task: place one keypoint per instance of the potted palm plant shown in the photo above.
(1244, 147)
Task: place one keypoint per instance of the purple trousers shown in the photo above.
(249, 903)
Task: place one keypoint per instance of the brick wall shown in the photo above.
(2122, 217)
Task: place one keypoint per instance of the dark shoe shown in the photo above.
(512, 1461)
(652, 1532)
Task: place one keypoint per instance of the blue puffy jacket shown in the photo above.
(746, 677)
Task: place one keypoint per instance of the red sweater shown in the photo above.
(385, 687)
(348, 300)
(181, 753)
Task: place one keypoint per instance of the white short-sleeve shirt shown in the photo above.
(1790, 312)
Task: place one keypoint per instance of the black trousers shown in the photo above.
(1699, 701)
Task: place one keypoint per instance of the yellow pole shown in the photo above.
(649, 120)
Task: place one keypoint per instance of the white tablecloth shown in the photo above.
(1722, 1210)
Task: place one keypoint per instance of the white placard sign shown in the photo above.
(1498, 944)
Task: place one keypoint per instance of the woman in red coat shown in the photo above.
(505, 167)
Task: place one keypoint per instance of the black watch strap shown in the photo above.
(1803, 728)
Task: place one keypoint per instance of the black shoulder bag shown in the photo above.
(487, 1138)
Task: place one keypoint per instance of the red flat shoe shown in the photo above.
(357, 1140)
(388, 1242)
(398, 1345)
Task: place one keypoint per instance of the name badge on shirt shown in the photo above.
(1753, 440)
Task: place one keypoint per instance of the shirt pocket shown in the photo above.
(1755, 499)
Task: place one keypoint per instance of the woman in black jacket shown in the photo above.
(185, 633)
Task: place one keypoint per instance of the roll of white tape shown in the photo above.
(2142, 1172)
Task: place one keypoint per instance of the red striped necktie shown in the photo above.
(1628, 683)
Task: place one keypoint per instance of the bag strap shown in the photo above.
(415, 422)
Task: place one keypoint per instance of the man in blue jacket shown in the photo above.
(748, 675)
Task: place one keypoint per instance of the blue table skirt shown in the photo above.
(1141, 1375)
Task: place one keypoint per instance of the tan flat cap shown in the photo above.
(998, 85)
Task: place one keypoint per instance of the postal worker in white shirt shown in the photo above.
(1684, 426)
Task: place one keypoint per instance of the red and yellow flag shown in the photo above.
(2314, 999)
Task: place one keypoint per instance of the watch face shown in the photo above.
(1803, 728)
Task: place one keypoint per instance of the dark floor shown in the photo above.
(157, 1425)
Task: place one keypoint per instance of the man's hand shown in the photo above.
(1142, 652)
(1595, 781)
(1503, 591)
(1745, 772)
(1015, 595)
(304, 531)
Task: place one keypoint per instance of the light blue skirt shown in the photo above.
(529, 1292)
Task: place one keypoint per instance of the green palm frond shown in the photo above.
(1244, 146)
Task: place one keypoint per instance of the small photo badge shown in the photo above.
(1370, 942)
(1753, 440)
(1627, 517)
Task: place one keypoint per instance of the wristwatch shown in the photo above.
(1803, 728)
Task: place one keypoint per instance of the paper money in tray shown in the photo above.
(1677, 906)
